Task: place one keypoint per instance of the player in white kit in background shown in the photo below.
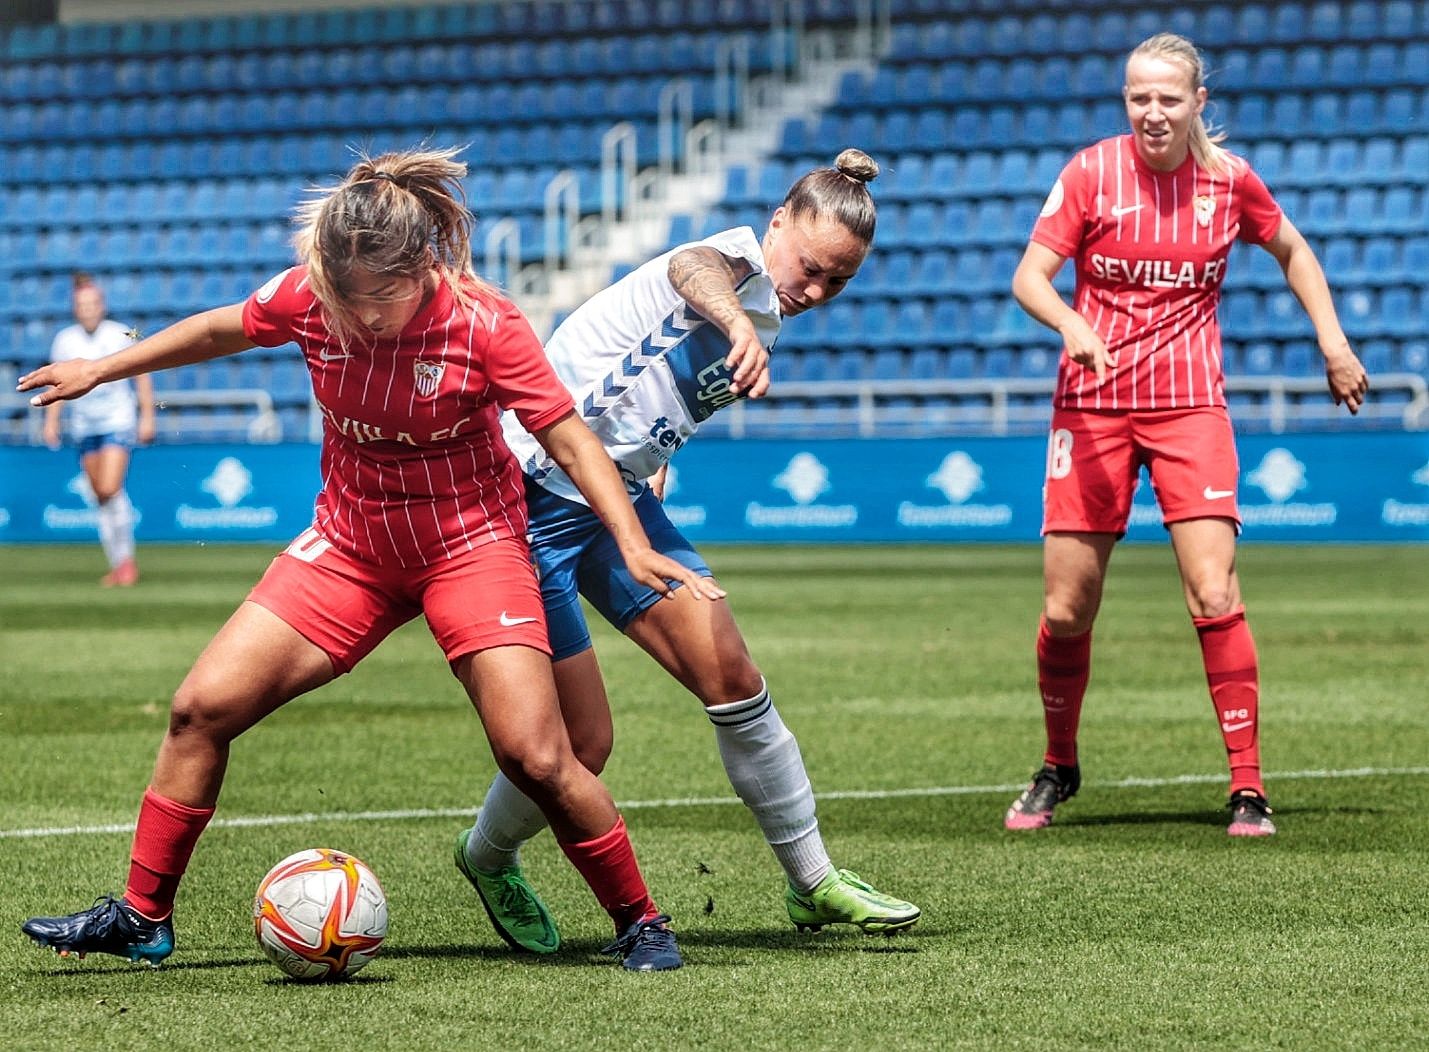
(647, 361)
(105, 425)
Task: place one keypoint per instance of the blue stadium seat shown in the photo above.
(933, 273)
(887, 364)
(1380, 261)
(1402, 211)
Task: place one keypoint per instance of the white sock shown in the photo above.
(116, 528)
(763, 762)
(507, 820)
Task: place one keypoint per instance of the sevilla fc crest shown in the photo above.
(429, 377)
(1205, 206)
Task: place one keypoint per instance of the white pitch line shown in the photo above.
(263, 821)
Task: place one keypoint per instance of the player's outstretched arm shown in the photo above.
(212, 334)
(706, 279)
(1343, 371)
(582, 457)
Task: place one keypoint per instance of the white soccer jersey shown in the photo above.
(109, 407)
(644, 368)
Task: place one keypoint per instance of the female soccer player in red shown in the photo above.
(421, 512)
(1150, 218)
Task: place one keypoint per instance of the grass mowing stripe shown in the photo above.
(261, 821)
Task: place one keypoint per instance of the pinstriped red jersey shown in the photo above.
(1150, 251)
(414, 468)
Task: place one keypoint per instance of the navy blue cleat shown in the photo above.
(647, 946)
(109, 926)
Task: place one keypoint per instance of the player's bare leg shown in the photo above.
(514, 692)
(254, 665)
(488, 854)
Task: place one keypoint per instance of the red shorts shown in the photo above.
(1094, 459)
(487, 597)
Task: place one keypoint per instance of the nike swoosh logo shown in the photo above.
(508, 621)
(1117, 211)
(325, 356)
(1217, 494)
(1228, 727)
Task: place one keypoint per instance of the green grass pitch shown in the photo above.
(907, 674)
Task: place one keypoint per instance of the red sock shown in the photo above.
(1233, 673)
(608, 865)
(1064, 665)
(163, 841)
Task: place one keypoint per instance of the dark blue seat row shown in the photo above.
(490, 65)
(299, 156)
(1095, 76)
(399, 23)
(930, 33)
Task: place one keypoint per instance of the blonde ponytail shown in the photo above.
(399, 214)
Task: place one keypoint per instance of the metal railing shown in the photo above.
(884, 408)
(245, 411)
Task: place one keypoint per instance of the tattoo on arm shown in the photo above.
(706, 279)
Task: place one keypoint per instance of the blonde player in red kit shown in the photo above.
(412, 358)
(1150, 218)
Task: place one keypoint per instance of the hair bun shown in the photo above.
(857, 165)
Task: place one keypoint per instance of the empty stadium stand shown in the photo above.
(165, 156)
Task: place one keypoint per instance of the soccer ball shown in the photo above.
(320, 914)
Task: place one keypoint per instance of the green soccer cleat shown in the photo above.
(842, 898)
(516, 911)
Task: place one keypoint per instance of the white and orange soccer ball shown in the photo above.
(320, 914)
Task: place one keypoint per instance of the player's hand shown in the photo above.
(65, 380)
(146, 430)
(1347, 378)
(51, 435)
(1084, 346)
(656, 571)
(748, 358)
(657, 481)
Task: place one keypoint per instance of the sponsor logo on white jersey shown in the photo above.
(1281, 475)
(1407, 513)
(958, 477)
(805, 479)
(228, 483)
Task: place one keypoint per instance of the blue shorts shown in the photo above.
(126, 439)
(576, 556)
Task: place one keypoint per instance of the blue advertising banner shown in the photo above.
(180, 493)
(1304, 487)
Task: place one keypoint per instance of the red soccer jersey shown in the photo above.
(413, 464)
(1150, 250)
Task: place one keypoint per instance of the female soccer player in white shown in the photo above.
(1150, 218)
(647, 360)
(105, 426)
(421, 512)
